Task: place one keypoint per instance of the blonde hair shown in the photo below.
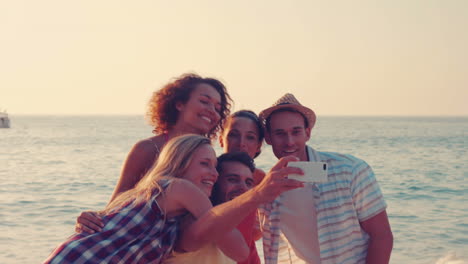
(172, 162)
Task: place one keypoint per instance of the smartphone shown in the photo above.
(314, 171)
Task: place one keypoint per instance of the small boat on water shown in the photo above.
(4, 120)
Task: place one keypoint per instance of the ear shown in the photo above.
(179, 106)
(307, 131)
(221, 141)
(259, 147)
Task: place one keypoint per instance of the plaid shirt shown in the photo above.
(350, 196)
(135, 234)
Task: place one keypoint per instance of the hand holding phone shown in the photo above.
(313, 171)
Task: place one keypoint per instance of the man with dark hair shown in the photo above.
(235, 178)
(342, 220)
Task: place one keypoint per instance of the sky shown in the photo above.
(371, 58)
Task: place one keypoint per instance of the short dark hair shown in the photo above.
(236, 156)
(281, 110)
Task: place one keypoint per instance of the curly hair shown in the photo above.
(162, 113)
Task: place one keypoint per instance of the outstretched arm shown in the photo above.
(187, 195)
(225, 217)
(234, 246)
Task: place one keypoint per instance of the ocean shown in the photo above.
(54, 167)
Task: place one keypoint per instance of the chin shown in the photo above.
(290, 154)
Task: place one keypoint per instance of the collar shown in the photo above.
(312, 154)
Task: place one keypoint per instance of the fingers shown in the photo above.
(78, 228)
(89, 230)
(289, 184)
(275, 187)
(89, 222)
(283, 162)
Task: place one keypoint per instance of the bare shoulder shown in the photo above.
(147, 146)
(181, 187)
(181, 194)
(191, 197)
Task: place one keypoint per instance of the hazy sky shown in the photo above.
(395, 57)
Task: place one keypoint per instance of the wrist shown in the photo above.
(255, 196)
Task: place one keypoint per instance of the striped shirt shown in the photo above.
(350, 196)
(135, 234)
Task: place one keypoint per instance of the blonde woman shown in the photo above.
(141, 224)
(189, 104)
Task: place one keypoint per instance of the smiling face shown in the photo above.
(200, 113)
(235, 178)
(241, 134)
(202, 169)
(288, 135)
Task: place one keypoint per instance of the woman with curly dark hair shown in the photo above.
(190, 104)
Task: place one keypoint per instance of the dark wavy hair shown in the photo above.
(162, 113)
(252, 116)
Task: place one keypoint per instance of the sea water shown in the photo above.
(54, 167)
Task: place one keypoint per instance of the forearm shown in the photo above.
(380, 248)
(234, 246)
(223, 218)
(212, 225)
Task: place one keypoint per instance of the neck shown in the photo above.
(306, 153)
(304, 156)
(178, 131)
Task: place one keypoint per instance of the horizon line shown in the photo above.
(322, 115)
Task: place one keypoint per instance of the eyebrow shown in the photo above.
(206, 95)
(232, 175)
(209, 97)
(294, 128)
(210, 160)
(248, 131)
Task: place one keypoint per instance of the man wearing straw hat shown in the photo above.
(342, 220)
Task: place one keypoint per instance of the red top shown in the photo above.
(246, 227)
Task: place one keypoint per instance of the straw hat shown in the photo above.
(288, 101)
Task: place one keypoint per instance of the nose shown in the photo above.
(289, 140)
(243, 187)
(242, 142)
(212, 108)
(215, 173)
